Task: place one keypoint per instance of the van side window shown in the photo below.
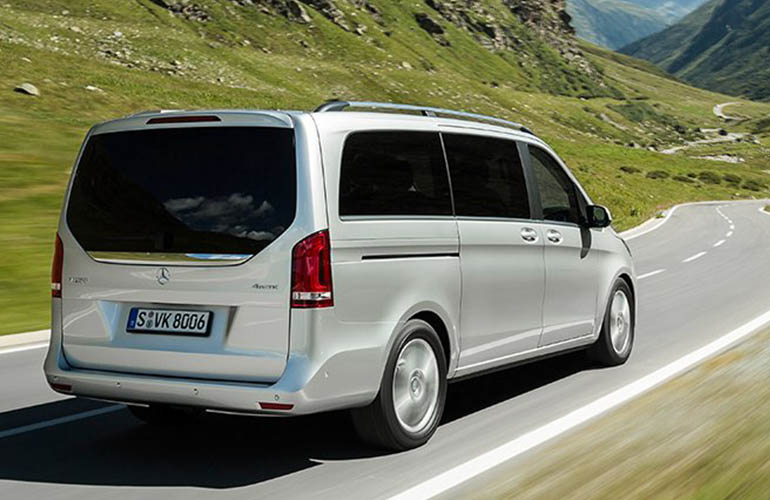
(394, 173)
(557, 192)
(487, 177)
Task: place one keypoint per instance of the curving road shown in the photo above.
(702, 273)
(719, 110)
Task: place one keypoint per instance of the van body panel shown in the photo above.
(503, 282)
(249, 333)
(384, 265)
(572, 283)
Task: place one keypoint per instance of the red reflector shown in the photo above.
(311, 272)
(61, 387)
(56, 267)
(184, 119)
(275, 406)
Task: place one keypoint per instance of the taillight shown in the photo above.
(275, 406)
(311, 272)
(56, 267)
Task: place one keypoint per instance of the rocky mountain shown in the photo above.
(535, 37)
(617, 23)
(723, 46)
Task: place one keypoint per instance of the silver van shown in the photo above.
(357, 257)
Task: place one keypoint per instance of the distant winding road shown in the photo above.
(719, 111)
(702, 273)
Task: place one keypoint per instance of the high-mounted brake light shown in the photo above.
(311, 272)
(184, 119)
(56, 267)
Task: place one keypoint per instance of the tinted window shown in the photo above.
(557, 192)
(487, 177)
(394, 173)
(191, 190)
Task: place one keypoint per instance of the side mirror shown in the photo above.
(597, 216)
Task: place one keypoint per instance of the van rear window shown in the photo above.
(207, 190)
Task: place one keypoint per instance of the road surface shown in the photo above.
(703, 272)
(719, 110)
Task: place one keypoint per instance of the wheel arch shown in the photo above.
(630, 282)
(441, 321)
(626, 274)
(437, 323)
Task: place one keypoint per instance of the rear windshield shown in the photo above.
(209, 190)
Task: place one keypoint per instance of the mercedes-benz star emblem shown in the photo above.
(163, 275)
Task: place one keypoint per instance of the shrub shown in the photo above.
(684, 178)
(752, 185)
(732, 178)
(692, 175)
(630, 170)
(709, 177)
(657, 174)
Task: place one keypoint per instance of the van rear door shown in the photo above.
(177, 251)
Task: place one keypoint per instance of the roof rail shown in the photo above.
(423, 110)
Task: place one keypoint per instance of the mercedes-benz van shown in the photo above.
(356, 257)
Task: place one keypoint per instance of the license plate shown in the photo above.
(169, 321)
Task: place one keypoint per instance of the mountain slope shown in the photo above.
(617, 23)
(613, 23)
(723, 46)
(672, 9)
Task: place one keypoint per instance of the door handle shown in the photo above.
(529, 235)
(554, 236)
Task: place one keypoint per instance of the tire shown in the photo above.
(165, 416)
(415, 373)
(616, 340)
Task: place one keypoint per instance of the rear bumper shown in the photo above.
(212, 395)
(310, 383)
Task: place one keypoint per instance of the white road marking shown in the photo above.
(729, 234)
(732, 227)
(719, 243)
(763, 211)
(668, 215)
(59, 421)
(694, 257)
(650, 274)
(23, 348)
(461, 473)
(665, 218)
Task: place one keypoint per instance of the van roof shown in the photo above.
(282, 118)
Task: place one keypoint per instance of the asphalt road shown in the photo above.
(687, 298)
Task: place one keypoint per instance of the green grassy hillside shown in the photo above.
(724, 46)
(94, 60)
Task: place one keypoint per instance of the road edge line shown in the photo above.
(459, 474)
(19, 339)
(629, 234)
(22, 348)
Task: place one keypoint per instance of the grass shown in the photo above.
(243, 58)
(703, 435)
